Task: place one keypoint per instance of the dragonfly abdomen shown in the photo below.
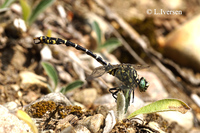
(52, 40)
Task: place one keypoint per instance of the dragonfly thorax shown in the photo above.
(126, 74)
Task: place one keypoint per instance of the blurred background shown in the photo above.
(161, 34)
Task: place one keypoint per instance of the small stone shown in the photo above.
(68, 129)
(57, 97)
(85, 121)
(109, 122)
(184, 120)
(31, 80)
(11, 106)
(64, 124)
(96, 122)
(107, 98)
(93, 123)
(15, 87)
(81, 129)
(10, 123)
(155, 126)
(86, 96)
(104, 109)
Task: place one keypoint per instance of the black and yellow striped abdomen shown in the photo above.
(52, 40)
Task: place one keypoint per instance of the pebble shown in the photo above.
(93, 123)
(184, 120)
(96, 122)
(86, 96)
(81, 129)
(110, 122)
(9, 123)
(105, 99)
(30, 80)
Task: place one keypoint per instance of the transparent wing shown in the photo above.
(137, 66)
(130, 65)
(97, 72)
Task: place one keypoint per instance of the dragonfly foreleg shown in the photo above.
(114, 92)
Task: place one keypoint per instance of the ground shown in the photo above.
(19, 55)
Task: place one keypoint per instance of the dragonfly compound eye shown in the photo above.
(143, 84)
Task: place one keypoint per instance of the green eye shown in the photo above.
(143, 84)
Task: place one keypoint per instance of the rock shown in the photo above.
(109, 122)
(85, 121)
(195, 131)
(57, 97)
(9, 123)
(11, 106)
(31, 80)
(96, 122)
(69, 129)
(105, 99)
(184, 120)
(81, 129)
(46, 103)
(46, 53)
(182, 45)
(86, 96)
(155, 126)
(93, 123)
(64, 124)
(105, 108)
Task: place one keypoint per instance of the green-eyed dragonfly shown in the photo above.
(126, 73)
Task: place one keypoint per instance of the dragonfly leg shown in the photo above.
(114, 92)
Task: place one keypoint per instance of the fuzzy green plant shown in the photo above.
(110, 44)
(158, 106)
(6, 4)
(52, 74)
(29, 13)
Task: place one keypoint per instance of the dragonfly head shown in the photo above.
(143, 84)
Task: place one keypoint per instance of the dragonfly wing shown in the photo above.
(130, 65)
(97, 72)
(137, 66)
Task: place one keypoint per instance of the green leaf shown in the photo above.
(50, 88)
(161, 106)
(111, 44)
(39, 8)
(95, 27)
(71, 86)
(26, 10)
(51, 72)
(7, 3)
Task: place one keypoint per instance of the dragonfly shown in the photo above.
(126, 73)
